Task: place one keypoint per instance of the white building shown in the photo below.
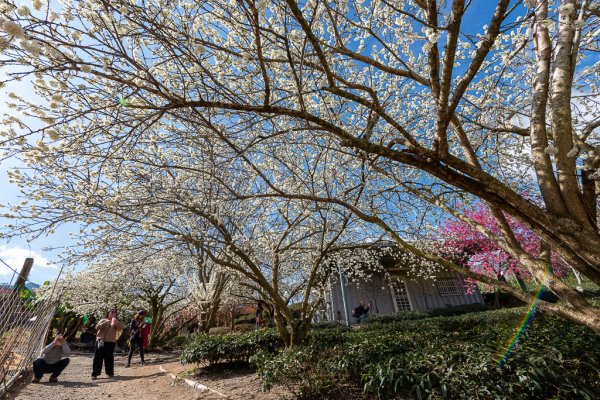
(398, 291)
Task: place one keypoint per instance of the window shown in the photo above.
(449, 287)
(400, 295)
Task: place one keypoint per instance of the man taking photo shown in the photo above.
(51, 360)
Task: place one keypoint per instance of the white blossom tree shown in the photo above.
(130, 280)
(186, 191)
(210, 286)
(422, 108)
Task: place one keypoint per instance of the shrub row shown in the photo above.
(412, 315)
(428, 358)
(445, 358)
(212, 349)
(469, 370)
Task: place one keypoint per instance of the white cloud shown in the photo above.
(15, 257)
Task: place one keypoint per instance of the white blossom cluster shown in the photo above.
(267, 134)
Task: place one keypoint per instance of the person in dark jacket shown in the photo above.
(136, 339)
(361, 312)
(87, 339)
(51, 360)
(260, 312)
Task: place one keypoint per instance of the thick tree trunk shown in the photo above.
(156, 330)
(291, 330)
(211, 314)
(590, 197)
(562, 126)
(215, 302)
(538, 135)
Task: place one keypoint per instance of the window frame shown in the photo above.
(449, 287)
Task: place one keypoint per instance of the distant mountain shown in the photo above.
(31, 285)
(28, 285)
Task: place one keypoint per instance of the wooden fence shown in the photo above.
(24, 324)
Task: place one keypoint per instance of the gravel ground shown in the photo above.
(136, 383)
(237, 383)
(148, 383)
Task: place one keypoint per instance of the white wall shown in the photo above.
(423, 294)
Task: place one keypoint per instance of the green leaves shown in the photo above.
(427, 358)
(233, 347)
(444, 358)
(456, 357)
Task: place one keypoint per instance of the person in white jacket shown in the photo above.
(51, 360)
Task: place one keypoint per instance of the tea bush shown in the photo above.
(425, 357)
(468, 371)
(457, 310)
(234, 347)
(413, 315)
(397, 317)
(444, 358)
(294, 367)
(330, 325)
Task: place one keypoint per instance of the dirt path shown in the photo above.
(136, 383)
(143, 382)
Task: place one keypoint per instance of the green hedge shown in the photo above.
(413, 315)
(444, 358)
(428, 358)
(307, 379)
(212, 349)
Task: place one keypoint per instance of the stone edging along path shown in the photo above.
(192, 383)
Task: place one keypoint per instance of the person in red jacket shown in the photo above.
(146, 331)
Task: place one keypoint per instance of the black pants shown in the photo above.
(133, 343)
(104, 354)
(41, 367)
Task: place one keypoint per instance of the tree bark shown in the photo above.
(538, 135)
(590, 197)
(562, 125)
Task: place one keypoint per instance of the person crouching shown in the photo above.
(51, 360)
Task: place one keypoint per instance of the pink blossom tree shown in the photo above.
(467, 246)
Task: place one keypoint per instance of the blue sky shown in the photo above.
(16, 250)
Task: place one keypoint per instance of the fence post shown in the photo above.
(25, 270)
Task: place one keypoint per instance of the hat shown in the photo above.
(142, 312)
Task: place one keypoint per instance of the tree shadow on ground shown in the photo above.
(104, 379)
(224, 371)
